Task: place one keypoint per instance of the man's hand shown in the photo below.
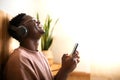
(69, 63)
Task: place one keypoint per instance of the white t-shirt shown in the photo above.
(24, 64)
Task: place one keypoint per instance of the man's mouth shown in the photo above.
(40, 29)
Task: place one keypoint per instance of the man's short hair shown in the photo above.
(16, 21)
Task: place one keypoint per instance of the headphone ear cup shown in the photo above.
(20, 31)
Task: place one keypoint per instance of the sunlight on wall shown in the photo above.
(95, 25)
(31, 7)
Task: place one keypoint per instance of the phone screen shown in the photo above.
(74, 49)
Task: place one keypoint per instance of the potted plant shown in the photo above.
(47, 37)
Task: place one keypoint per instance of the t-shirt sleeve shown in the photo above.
(20, 69)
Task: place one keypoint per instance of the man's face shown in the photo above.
(34, 27)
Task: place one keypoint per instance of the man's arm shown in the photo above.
(61, 75)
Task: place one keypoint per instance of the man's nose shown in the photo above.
(38, 23)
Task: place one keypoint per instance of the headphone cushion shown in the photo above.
(21, 31)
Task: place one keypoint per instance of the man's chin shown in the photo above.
(42, 32)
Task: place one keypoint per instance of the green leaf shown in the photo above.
(46, 38)
(37, 17)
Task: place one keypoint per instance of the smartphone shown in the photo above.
(74, 49)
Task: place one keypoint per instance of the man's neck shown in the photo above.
(30, 44)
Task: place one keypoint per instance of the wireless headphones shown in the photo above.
(20, 31)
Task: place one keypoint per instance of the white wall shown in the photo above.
(13, 7)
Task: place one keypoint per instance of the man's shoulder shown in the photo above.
(18, 57)
(18, 54)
